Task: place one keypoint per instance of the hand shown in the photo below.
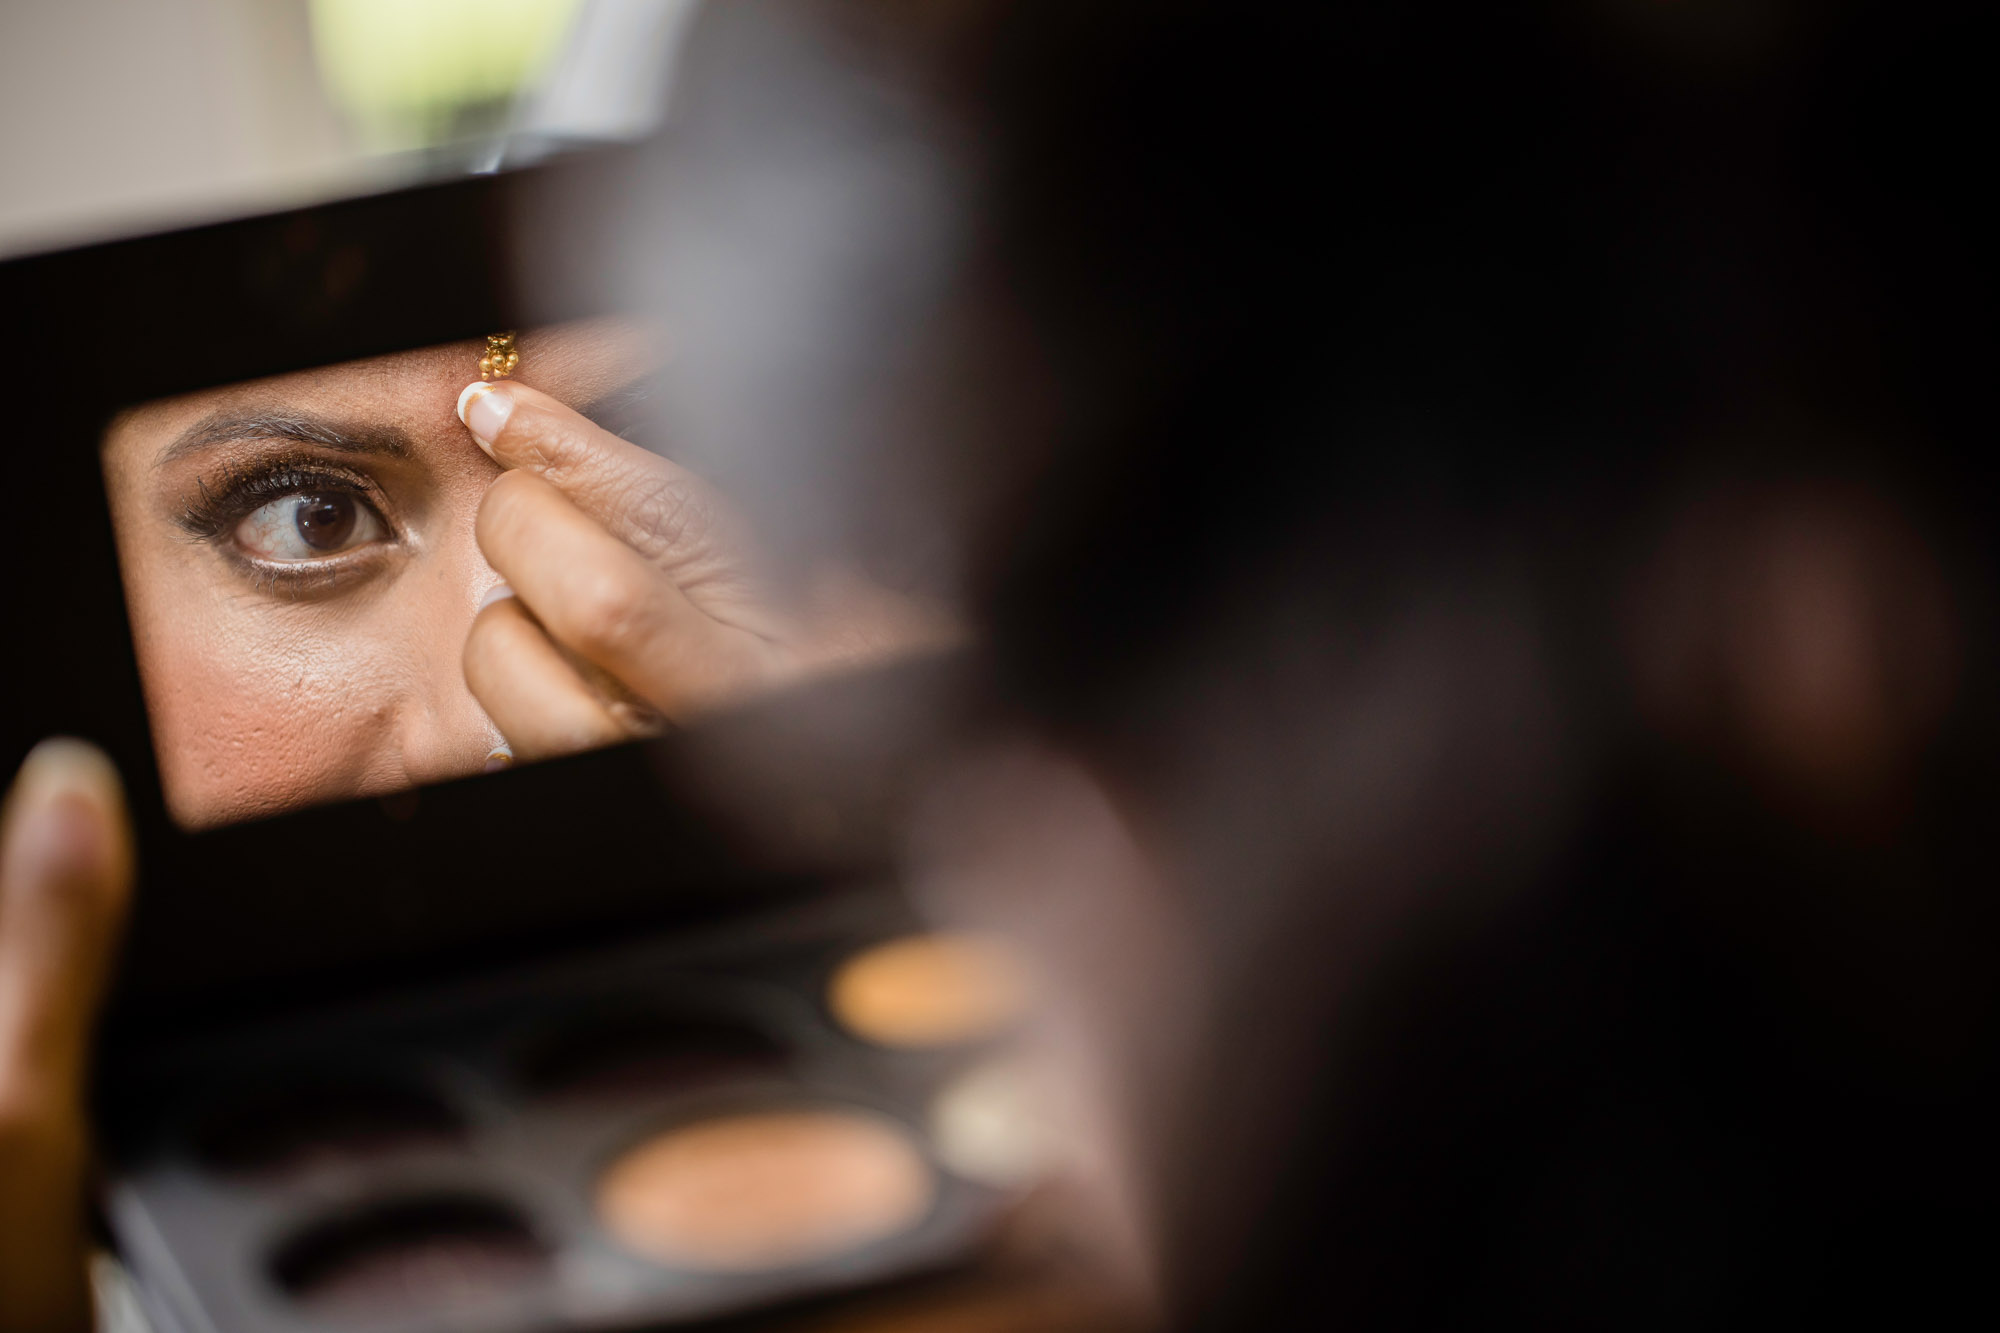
(636, 597)
(65, 875)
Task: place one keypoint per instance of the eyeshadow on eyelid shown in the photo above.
(217, 515)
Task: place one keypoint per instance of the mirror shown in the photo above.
(321, 612)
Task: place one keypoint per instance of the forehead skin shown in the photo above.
(259, 702)
(416, 390)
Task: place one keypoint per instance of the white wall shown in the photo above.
(125, 115)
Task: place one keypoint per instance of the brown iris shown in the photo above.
(326, 522)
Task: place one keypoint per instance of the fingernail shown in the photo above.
(469, 392)
(501, 758)
(59, 814)
(484, 409)
(499, 592)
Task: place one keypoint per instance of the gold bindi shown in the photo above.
(500, 358)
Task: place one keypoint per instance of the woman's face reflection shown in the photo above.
(301, 571)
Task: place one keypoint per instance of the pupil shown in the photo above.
(325, 522)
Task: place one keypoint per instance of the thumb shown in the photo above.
(65, 876)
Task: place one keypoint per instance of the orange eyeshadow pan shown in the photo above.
(766, 1189)
(929, 990)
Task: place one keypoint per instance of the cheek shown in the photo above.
(249, 717)
(259, 707)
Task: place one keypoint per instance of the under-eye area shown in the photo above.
(764, 1189)
(640, 1052)
(411, 1254)
(298, 1125)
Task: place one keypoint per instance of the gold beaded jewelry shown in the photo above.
(500, 357)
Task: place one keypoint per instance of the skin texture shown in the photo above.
(267, 691)
(639, 597)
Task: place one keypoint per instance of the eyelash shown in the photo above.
(215, 515)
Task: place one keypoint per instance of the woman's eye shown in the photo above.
(309, 527)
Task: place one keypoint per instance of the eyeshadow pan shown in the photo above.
(411, 1255)
(296, 1126)
(766, 1189)
(671, 1132)
(929, 990)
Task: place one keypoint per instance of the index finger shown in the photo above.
(655, 506)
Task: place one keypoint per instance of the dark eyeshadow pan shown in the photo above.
(410, 1255)
(294, 1125)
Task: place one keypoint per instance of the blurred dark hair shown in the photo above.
(1495, 490)
(1353, 308)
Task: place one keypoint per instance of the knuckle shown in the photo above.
(547, 437)
(585, 733)
(548, 446)
(635, 719)
(664, 514)
(611, 614)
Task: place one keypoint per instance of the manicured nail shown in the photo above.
(501, 758)
(499, 592)
(469, 392)
(484, 408)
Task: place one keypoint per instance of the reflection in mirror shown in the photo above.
(339, 588)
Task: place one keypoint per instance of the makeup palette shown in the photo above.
(660, 1134)
(478, 1057)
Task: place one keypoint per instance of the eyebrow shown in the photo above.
(235, 427)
